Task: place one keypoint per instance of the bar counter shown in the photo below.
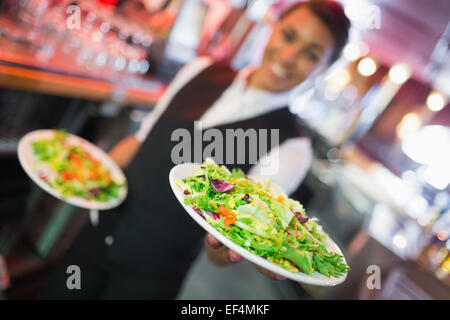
(21, 69)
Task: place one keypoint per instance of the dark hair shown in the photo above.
(332, 15)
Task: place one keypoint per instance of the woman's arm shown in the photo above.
(123, 152)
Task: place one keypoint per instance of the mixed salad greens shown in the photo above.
(261, 218)
(72, 170)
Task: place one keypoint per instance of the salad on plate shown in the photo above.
(259, 217)
(73, 171)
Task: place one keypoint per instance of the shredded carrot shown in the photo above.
(296, 232)
(229, 220)
(224, 212)
(94, 174)
(229, 216)
(75, 159)
(290, 232)
(234, 179)
(280, 198)
(66, 175)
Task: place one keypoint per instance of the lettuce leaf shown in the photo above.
(282, 213)
(302, 259)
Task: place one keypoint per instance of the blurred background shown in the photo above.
(379, 122)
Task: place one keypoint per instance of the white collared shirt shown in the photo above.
(239, 102)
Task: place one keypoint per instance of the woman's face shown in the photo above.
(299, 45)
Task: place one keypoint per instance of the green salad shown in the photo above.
(72, 170)
(260, 218)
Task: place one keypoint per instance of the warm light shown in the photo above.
(367, 67)
(446, 265)
(399, 73)
(339, 80)
(352, 51)
(410, 123)
(437, 175)
(399, 241)
(430, 145)
(436, 101)
(441, 274)
(442, 236)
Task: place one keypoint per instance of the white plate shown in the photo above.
(27, 160)
(185, 170)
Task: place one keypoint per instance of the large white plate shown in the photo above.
(27, 160)
(185, 170)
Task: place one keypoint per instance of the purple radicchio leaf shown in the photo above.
(221, 185)
(199, 212)
(186, 192)
(246, 198)
(94, 191)
(301, 218)
(213, 215)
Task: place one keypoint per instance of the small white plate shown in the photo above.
(185, 170)
(27, 160)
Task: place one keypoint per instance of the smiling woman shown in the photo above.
(307, 38)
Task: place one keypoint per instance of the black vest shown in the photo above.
(153, 235)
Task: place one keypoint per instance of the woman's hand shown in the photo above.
(220, 255)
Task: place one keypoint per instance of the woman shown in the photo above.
(144, 248)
